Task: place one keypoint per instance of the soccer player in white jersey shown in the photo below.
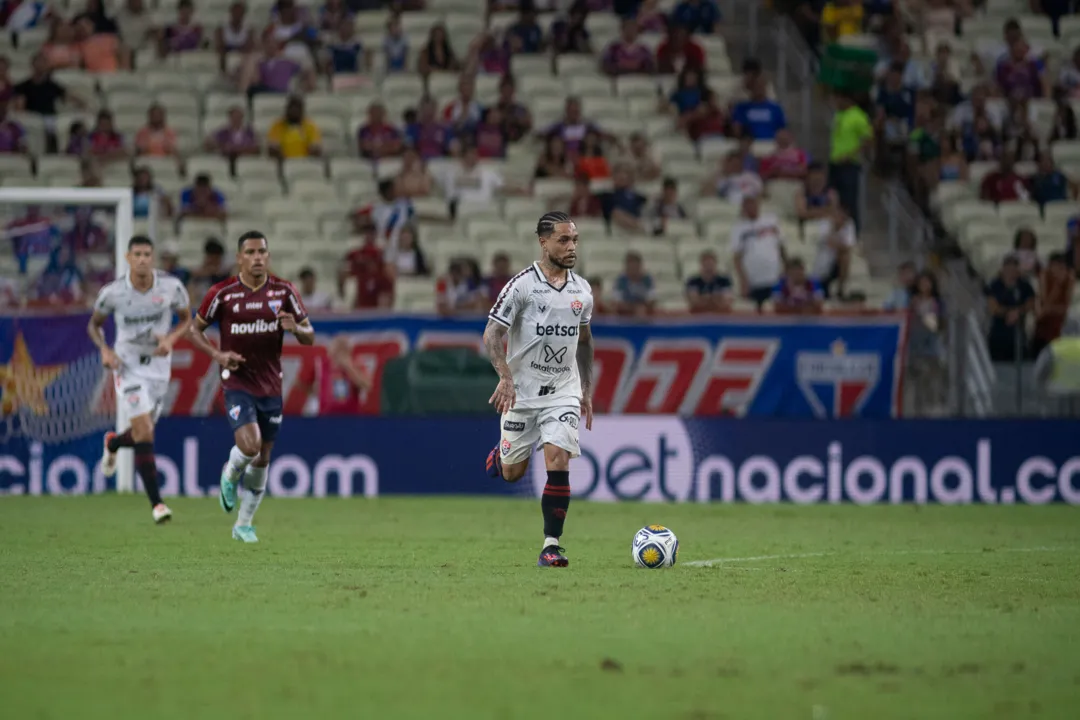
(142, 304)
(545, 372)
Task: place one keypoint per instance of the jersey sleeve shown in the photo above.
(180, 299)
(296, 305)
(508, 305)
(587, 311)
(210, 309)
(104, 304)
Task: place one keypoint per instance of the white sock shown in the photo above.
(238, 462)
(254, 489)
(549, 541)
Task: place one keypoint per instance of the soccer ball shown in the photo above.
(655, 546)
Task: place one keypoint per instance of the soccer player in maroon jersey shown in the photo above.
(253, 311)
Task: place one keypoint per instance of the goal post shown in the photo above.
(121, 202)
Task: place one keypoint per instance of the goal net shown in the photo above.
(61, 245)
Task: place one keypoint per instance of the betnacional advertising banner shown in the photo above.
(624, 458)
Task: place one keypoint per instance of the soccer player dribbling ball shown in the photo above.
(545, 372)
(253, 312)
(142, 303)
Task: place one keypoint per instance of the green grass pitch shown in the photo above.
(433, 608)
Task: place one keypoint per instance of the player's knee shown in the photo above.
(142, 429)
(514, 472)
(263, 457)
(248, 441)
(556, 458)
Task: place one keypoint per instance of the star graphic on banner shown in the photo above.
(22, 383)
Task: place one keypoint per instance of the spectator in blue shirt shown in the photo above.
(709, 291)
(623, 206)
(345, 50)
(635, 290)
(202, 200)
(395, 45)
(1050, 184)
(759, 117)
(688, 95)
(699, 16)
(895, 107)
(525, 35)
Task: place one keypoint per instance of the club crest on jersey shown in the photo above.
(576, 307)
(234, 412)
(274, 305)
(837, 383)
(157, 299)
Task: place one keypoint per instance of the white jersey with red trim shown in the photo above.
(140, 317)
(544, 324)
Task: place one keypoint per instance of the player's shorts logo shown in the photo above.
(513, 426)
(570, 419)
(552, 355)
(133, 399)
(274, 305)
(234, 412)
(505, 445)
(576, 307)
(275, 420)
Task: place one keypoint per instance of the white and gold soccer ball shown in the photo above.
(655, 546)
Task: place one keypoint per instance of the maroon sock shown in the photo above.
(147, 469)
(123, 440)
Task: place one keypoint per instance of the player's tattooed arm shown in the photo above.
(94, 330)
(495, 342)
(585, 371)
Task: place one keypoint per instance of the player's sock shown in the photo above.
(238, 463)
(554, 503)
(147, 468)
(255, 485)
(122, 440)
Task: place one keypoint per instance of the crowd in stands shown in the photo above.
(457, 127)
(973, 105)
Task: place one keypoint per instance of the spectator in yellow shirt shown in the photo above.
(841, 18)
(294, 135)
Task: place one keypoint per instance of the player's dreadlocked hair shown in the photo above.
(548, 221)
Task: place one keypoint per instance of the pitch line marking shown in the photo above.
(797, 556)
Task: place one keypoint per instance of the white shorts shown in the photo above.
(141, 395)
(522, 429)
